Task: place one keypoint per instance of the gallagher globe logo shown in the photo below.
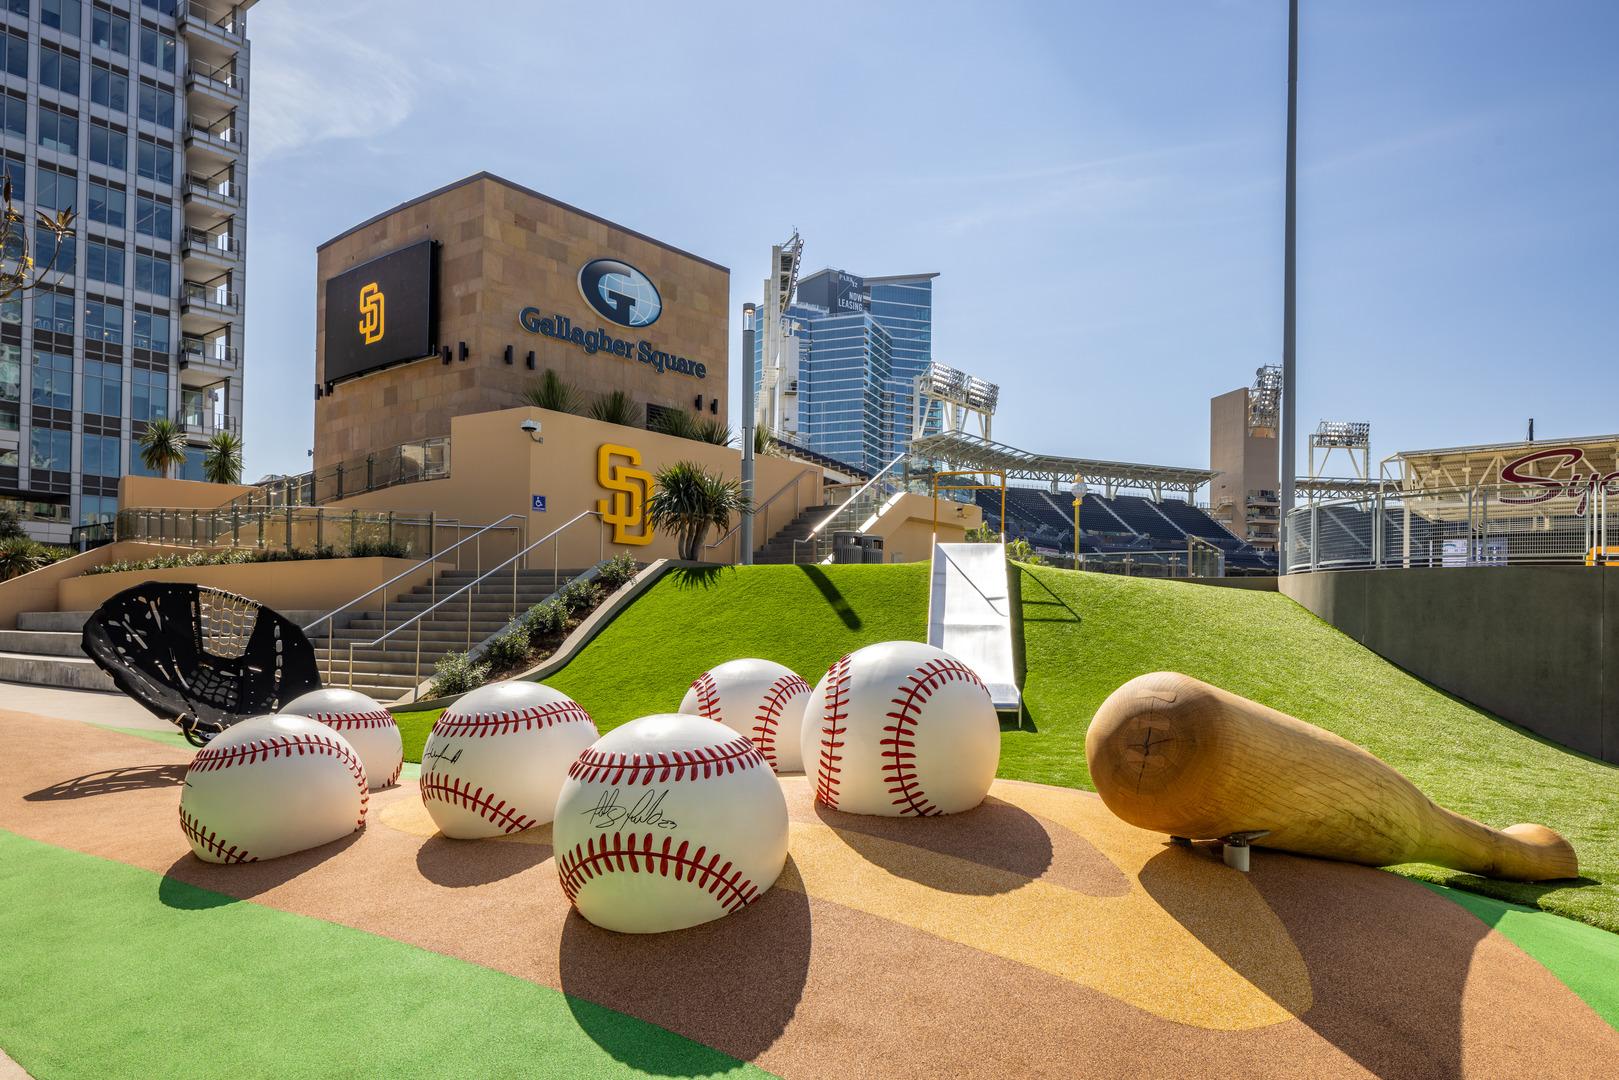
(620, 293)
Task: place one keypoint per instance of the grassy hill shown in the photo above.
(1085, 634)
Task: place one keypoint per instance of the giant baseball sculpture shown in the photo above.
(1174, 755)
(757, 698)
(901, 729)
(668, 822)
(365, 724)
(270, 786)
(496, 758)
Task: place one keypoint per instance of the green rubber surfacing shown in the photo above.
(109, 970)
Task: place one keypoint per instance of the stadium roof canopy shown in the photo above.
(964, 451)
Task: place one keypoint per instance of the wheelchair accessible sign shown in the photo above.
(537, 504)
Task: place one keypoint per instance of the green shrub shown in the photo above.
(982, 535)
(509, 649)
(1020, 551)
(578, 597)
(616, 571)
(19, 555)
(457, 673)
(544, 620)
(379, 549)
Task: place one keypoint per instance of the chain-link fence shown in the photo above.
(1487, 525)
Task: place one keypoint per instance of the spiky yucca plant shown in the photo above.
(686, 499)
(676, 422)
(553, 394)
(710, 430)
(616, 408)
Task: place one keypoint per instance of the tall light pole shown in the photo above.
(750, 421)
(1289, 271)
(1079, 489)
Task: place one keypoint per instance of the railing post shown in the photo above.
(259, 515)
(432, 534)
(354, 525)
(289, 530)
(320, 528)
(390, 528)
(340, 480)
(1315, 532)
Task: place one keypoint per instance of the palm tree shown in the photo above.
(163, 446)
(616, 408)
(222, 464)
(553, 394)
(686, 499)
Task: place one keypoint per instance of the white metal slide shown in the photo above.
(970, 615)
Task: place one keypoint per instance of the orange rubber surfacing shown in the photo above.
(1037, 935)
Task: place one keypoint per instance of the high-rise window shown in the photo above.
(19, 7)
(53, 311)
(162, 7)
(109, 87)
(104, 322)
(110, 30)
(49, 448)
(10, 375)
(58, 131)
(149, 394)
(96, 509)
(156, 105)
(107, 207)
(103, 388)
(62, 14)
(108, 147)
(152, 273)
(61, 256)
(157, 49)
(53, 380)
(99, 455)
(155, 162)
(103, 262)
(14, 114)
(57, 190)
(151, 331)
(58, 70)
(14, 54)
(154, 218)
(17, 172)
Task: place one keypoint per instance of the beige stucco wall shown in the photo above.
(502, 249)
(906, 525)
(307, 585)
(495, 469)
(184, 494)
(38, 591)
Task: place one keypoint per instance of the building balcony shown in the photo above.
(216, 354)
(208, 302)
(213, 84)
(216, 145)
(213, 32)
(215, 251)
(1262, 496)
(205, 425)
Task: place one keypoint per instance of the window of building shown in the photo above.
(49, 448)
(99, 455)
(53, 311)
(14, 115)
(61, 257)
(104, 322)
(57, 190)
(154, 218)
(18, 7)
(162, 7)
(17, 172)
(191, 468)
(138, 467)
(11, 310)
(109, 87)
(151, 331)
(95, 509)
(152, 273)
(156, 162)
(53, 380)
(157, 49)
(58, 131)
(104, 262)
(10, 373)
(108, 147)
(103, 388)
(149, 394)
(110, 30)
(58, 70)
(107, 207)
(14, 54)
(8, 454)
(62, 14)
(157, 105)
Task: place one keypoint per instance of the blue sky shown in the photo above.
(1099, 186)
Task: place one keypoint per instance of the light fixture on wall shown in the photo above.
(508, 354)
(532, 427)
(531, 359)
(445, 353)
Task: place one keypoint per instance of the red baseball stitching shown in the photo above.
(635, 852)
(835, 710)
(596, 766)
(394, 779)
(535, 717)
(899, 744)
(210, 840)
(456, 792)
(212, 758)
(708, 697)
(354, 721)
(764, 724)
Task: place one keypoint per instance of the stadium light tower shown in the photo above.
(1289, 270)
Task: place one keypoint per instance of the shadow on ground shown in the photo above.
(193, 885)
(110, 782)
(994, 834)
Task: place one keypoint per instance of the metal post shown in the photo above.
(432, 532)
(749, 423)
(1289, 293)
(1315, 533)
(289, 529)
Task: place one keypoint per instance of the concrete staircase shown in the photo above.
(780, 548)
(390, 670)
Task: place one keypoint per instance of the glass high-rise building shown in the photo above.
(857, 347)
(134, 114)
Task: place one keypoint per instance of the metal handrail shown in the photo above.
(515, 562)
(327, 618)
(792, 484)
(846, 504)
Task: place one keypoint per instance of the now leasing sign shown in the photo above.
(1540, 488)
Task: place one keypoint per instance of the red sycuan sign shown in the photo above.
(1577, 485)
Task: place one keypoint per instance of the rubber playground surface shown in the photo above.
(1036, 935)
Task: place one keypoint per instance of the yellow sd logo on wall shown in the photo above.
(371, 313)
(625, 508)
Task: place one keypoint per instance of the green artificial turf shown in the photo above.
(113, 971)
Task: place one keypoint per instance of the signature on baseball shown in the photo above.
(442, 754)
(648, 810)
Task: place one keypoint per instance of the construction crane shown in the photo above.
(779, 287)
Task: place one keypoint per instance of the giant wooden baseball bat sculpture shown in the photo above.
(1174, 755)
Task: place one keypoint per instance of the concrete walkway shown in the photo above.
(89, 706)
(10, 1070)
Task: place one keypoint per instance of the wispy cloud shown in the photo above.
(324, 73)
